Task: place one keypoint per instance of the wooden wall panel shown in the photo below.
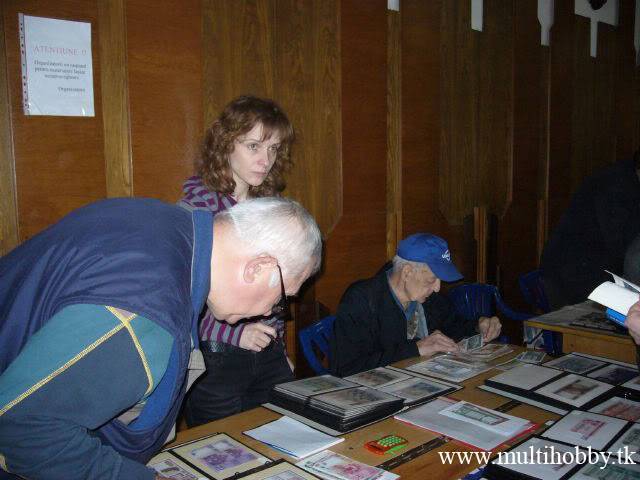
(425, 44)
(492, 119)
(593, 101)
(59, 161)
(288, 50)
(561, 84)
(307, 85)
(356, 248)
(238, 51)
(164, 52)
(8, 205)
(394, 137)
(517, 240)
(476, 156)
(115, 98)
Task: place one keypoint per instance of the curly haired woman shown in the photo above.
(246, 152)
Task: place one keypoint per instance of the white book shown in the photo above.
(526, 376)
(293, 437)
(618, 295)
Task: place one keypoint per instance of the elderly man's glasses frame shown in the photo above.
(282, 307)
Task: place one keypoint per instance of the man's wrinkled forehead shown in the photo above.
(424, 270)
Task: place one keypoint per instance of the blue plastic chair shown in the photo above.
(532, 289)
(533, 292)
(315, 341)
(475, 300)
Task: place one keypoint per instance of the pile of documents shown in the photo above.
(301, 390)
(580, 446)
(568, 382)
(450, 367)
(333, 466)
(292, 437)
(466, 422)
(530, 356)
(471, 360)
(474, 348)
(343, 404)
(334, 402)
(413, 389)
(489, 352)
(352, 402)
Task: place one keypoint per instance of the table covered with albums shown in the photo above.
(597, 438)
(338, 405)
(600, 398)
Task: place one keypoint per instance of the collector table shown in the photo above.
(616, 346)
(419, 460)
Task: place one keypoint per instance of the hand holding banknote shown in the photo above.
(489, 328)
(435, 343)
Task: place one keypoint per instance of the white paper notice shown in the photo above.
(57, 71)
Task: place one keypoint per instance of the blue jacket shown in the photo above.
(142, 256)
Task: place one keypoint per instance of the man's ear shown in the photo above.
(405, 271)
(257, 266)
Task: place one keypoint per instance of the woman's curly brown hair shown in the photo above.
(238, 118)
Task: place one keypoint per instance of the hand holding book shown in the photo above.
(618, 296)
(633, 322)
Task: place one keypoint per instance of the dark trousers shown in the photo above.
(236, 380)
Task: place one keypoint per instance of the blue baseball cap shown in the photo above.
(432, 250)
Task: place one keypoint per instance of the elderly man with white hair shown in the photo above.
(399, 313)
(98, 320)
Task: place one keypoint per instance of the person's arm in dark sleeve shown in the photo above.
(356, 344)
(441, 315)
(70, 379)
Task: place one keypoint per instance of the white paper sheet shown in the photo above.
(493, 420)
(428, 416)
(293, 437)
(57, 69)
(526, 376)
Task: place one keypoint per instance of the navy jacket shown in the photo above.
(139, 255)
(593, 234)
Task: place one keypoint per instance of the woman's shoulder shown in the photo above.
(197, 196)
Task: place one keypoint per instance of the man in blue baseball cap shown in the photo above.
(400, 313)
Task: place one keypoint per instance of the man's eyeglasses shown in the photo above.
(282, 307)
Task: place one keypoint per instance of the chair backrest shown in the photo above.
(475, 300)
(315, 343)
(532, 290)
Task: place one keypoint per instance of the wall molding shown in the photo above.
(394, 136)
(115, 98)
(9, 237)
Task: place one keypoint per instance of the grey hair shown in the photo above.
(399, 262)
(278, 227)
